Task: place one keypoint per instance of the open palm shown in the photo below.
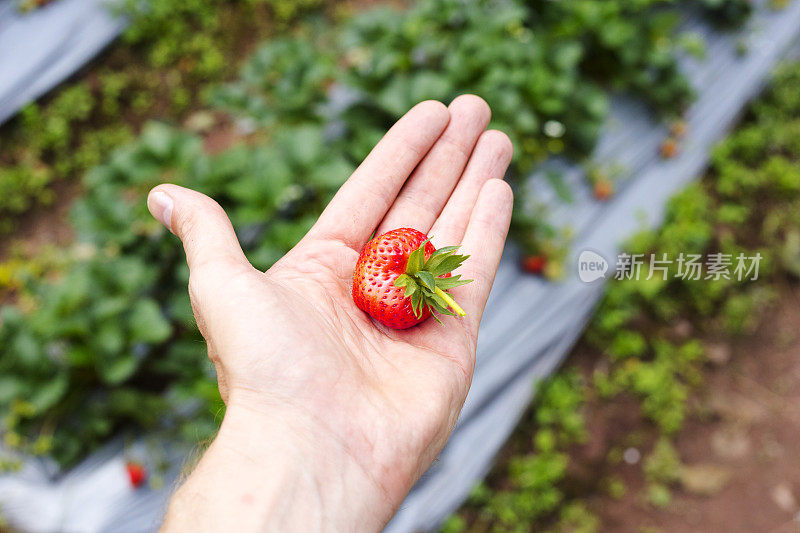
(290, 344)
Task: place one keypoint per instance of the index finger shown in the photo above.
(361, 203)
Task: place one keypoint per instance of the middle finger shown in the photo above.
(425, 193)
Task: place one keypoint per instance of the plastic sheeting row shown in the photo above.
(41, 48)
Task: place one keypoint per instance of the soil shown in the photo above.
(742, 441)
(45, 225)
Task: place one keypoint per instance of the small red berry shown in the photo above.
(137, 473)
(603, 189)
(534, 263)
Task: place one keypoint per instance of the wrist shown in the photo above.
(272, 469)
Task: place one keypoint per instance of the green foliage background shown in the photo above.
(109, 330)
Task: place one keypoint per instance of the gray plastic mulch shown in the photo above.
(43, 47)
(530, 324)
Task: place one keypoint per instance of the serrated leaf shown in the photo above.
(448, 264)
(416, 260)
(438, 303)
(421, 279)
(411, 288)
(427, 279)
(446, 250)
(449, 283)
(416, 303)
(433, 262)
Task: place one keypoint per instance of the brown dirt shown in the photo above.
(745, 421)
(44, 225)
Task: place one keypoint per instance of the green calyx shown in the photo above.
(424, 285)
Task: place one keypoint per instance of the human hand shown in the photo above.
(331, 416)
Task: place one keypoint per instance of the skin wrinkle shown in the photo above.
(421, 200)
(288, 485)
(361, 337)
(453, 142)
(387, 190)
(415, 134)
(418, 196)
(452, 222)
(345, 447)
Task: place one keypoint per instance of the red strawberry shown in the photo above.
(137, 473)
(400, 278)
(534, 263)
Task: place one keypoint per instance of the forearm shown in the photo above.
(260, 476)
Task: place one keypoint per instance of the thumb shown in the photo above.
(200, 223)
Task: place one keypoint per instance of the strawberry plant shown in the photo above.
(439, 50)
(284, 81)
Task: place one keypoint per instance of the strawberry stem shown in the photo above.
(427, 280)
(452, 303)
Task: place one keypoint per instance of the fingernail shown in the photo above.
(160, 206)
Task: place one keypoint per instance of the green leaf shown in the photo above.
(411, 288)
(158, 138)
(147, 324)
(433, 262)
(10, 388)
(440, 305)
(445, 250)
(115, 370)
(449, 283)
(108, 337)
(416, 303)
(448, 264)
(404, 280)
(50, 393)
(427, 279)
(416, 260)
